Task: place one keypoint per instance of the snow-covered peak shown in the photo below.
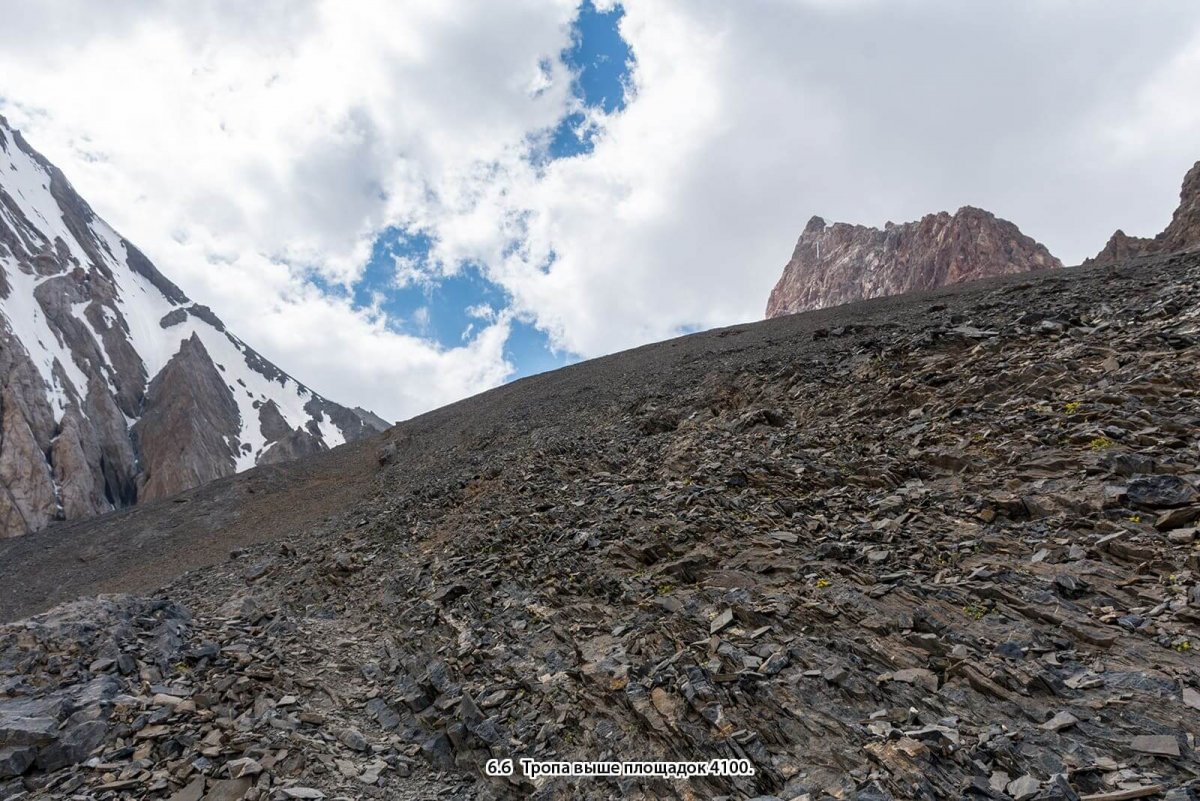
(89, 329)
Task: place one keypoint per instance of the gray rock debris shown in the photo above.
(967, 599)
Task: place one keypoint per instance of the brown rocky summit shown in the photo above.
(841, 263)
(1181, 235)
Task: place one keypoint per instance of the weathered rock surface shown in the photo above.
(183, 438)
(841, 263)
(1181, 235)
(29, 495)
(917, 549)
(92, 338)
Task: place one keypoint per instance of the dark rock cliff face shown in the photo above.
(182, 439)
(1181, 235)
(114, 386)
(842, 263)
(287, 443)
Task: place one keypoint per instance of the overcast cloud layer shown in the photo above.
(249, 148)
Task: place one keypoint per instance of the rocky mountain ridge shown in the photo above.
(1181, 234)
(842, 263)
(114, 386)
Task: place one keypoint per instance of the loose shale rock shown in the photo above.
(934, 566)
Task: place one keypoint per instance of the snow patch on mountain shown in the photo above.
(89, 313)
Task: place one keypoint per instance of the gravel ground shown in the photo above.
(144, 547)
(937, 546)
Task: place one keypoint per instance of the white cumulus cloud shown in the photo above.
(249, 146)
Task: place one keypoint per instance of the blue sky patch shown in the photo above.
(418, 298)
(600, 57)
(421, 298)
(528, 350)
(600, 60)
(401, 282)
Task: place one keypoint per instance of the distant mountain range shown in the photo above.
(116, 388)
(842, 263)
(1182, 233)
